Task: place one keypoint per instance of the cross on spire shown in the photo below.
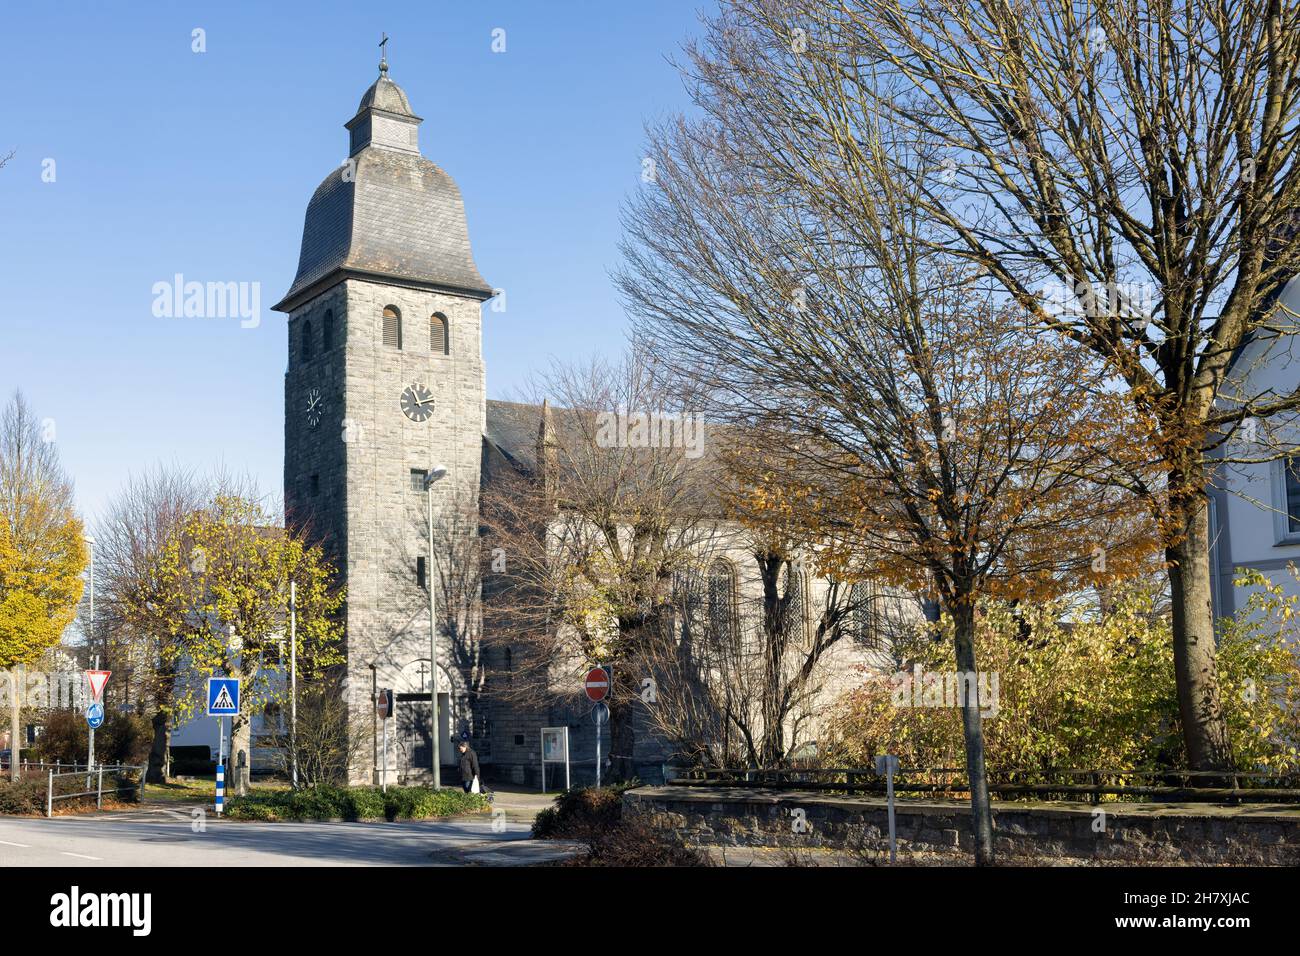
(383, 53)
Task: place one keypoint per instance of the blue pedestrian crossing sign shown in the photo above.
(95, 715)
(223, 696)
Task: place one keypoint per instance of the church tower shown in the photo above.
(385, 381)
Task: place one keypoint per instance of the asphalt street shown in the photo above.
(177, 837)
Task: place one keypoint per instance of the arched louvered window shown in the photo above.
(327, 331)
(720, 603)
(392, 327)
(438, 342)
(305, 349)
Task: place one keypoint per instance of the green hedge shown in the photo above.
(353, 803)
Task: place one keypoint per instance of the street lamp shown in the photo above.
(437, 473)
(91, 630)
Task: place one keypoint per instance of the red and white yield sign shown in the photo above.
(596, 683)
(97, 680)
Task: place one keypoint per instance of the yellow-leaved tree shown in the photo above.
(226, 578)
(42, 548)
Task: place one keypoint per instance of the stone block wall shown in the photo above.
(1132, 833)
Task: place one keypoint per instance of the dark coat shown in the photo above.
(468, 764)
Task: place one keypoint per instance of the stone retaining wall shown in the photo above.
(1124, 833)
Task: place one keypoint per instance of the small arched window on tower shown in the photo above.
(305, 351)
(327, 331)
(438, 343)
(392, 327)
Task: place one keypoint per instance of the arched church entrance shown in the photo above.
(413, 740)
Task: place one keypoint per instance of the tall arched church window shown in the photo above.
(305, 350)
(392, 327)
(720, 604)
(795, 589)
(327, 331)
(438, 340)
(864, 613)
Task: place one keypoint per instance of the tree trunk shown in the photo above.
(622, 738)
(973, 728)
(1205, 731)
(157, 769)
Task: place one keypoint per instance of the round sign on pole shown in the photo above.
(95, 715)
(600, 714)
(596, 684)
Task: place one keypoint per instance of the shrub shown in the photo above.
(594, 816)
(363, 803)
(26, 796)
(353, 803)
(244, 809)
(579, 811)
(637, 843)
(1080, 692)
(121, 739)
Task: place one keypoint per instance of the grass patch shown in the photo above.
(354, 803)
(201, 790)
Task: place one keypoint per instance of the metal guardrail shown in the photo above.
(91, 775)
(1059, 783)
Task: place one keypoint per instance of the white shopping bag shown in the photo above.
(473, 787)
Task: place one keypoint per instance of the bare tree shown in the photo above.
(742, 690)
(921, 427)
(131, 541)
(590, 538)
(1134, 160)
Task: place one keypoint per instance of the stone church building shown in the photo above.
(386, 381)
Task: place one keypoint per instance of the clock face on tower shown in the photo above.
(417, 402)
(315, 406)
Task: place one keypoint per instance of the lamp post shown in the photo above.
(437, 473)
(90, 755)
(91, 542)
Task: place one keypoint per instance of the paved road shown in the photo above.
(166, 837)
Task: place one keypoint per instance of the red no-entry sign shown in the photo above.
(596, 683)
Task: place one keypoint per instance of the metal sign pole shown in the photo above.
(887, 764)
(598, 751)
(543, 761)
(221, 766)
(384, 777)
(567, 784)
(889, 795)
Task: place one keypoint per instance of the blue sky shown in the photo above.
(169, 161)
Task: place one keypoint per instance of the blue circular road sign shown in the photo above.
(95, 715)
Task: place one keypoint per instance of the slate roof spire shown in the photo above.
(387, 213)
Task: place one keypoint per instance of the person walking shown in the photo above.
(469, 770)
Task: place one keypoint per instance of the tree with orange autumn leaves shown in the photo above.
(914, 424)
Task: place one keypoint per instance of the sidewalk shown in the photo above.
(520, 804)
